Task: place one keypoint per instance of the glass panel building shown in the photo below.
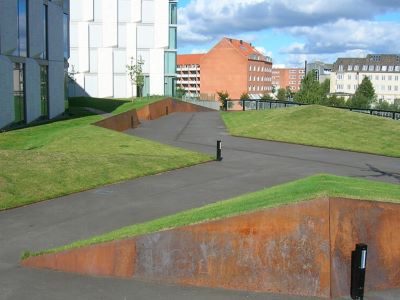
(106, 36)
(34, 49)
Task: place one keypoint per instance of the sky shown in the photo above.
(292, 31)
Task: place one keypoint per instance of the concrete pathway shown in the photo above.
(248, 165)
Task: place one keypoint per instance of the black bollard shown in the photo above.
(358, 265)
(219, 150)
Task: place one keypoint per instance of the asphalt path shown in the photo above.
(247, 165)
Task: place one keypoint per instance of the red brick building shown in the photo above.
(287, 77)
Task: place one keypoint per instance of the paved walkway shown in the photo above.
(248, 165)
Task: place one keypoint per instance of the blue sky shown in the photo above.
(293, 31)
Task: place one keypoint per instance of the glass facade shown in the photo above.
(170, 86)
(173, 13)
(44, 91)
(172, 43)
(45, 18)
(19, 92)
(170, 63)
(22, 25)
(66, 36)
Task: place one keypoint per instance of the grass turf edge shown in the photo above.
(316, 186)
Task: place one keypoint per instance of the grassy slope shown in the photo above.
(114, 106)
(300, 190)
(47, 161)
(319, 126)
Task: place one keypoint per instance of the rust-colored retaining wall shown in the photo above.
(300, 249)
(132, 118)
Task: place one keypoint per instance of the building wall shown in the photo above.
(224, 68)
(259, 78)
(188, 73)
(108, 35)
(31, 109)
(288, 77)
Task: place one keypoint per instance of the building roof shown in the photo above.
(247, 50)
(385, 63)
(189, 59)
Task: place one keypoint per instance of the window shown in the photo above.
(22, 24)
(383, 77)
(377, 68)
(356, 68)
(396, 88)
(376, 77)
(173, 13)
(396, 78)
(66, 36)
(389, 87)
(365, 68)
(350, 68)
(389, 77)
(397, 68)
(170, 63)
(44, 91)
(45, 31)
(19, 92)
(384, 68)
(349, 77)
(371, 68)
(391, 68)
(172, 38)
(340, 68)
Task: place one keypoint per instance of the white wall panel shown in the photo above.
(119, 61)
(82, 10)
(6, 92)
(74, 34)
(156, 71)
(130, 52)
(83, 47)
(145, 36)
(124, 11)
(136, 10)
(32, 87)
(122, 37)
(74, 60)
(120, 90)
(161, 24)
(105, 72)
(91, 85)
(148, 11)
(145, 55)
(98, 10)
(110, 25)
(36, 36)
(56, 88)
(8, 26)
(95, 36)
(94, 61)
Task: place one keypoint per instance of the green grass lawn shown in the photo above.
(296, 191)
(47, 161)
(113, 106)
(319, 126)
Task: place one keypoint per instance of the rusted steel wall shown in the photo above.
(376, 224)
(115, 258)
(279, 250)
(131, 119)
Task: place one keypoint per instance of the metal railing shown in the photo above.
(205, 103)
(235, 105)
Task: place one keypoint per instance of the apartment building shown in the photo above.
(108, 35)
(322, 71)
(188, 73)
(287, 77)
(382, 69)
(236, 67)
(33, 53)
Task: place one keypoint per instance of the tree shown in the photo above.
(364, 95)
(281, 94)
(335, 101)
(310, 91)
(135, 72)
(223, 96)
(266, 97)
(244, 96)
(180, 92)
(326, 87)
(288, 93)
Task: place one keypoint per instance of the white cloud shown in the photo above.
(198, 51)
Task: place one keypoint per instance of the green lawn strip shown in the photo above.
(296, 191)
(319, 126)
(60, 158)
(114, 106)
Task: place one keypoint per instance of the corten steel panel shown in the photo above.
(107, 259)
(376, 224)
(120, 122)
(279, 250)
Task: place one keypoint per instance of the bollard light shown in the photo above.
(219, 150)
(358, 267)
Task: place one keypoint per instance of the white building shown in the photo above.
(107, 34)
(383, 71)
(33, 52)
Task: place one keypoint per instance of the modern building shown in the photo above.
(34, 49)
(287, 77)
(382, 69)
(188, 73)
(108, 35)
(236, 67)
(321, 70)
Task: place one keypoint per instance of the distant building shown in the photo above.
(107, 34)
(382, 69)
(321, 70)
(188, 73)
(236, 67)
(34, 51)
(287, 77)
